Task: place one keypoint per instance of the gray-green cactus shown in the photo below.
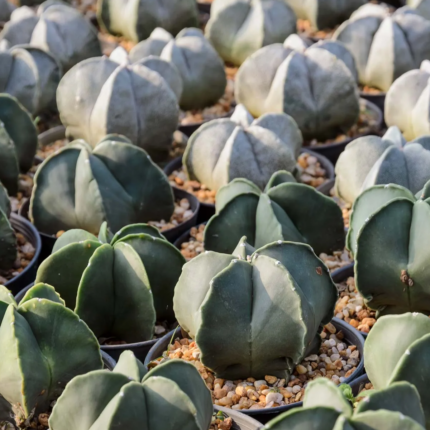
(44, 345)
(81, 187)
(388, 236)
(201, 69)
(372, 160)
(136, 19)
(6, 8)
(325, 14)
(384, 45)
(265, 307)
(56, 28)
(170, 396)
(406, 104)
(398, 349)
(117, 284)
(18, 142)
(32, 76)
(239, 147)
(313, 85)
(239, 28)
(8, 248)
(421, 6)
(286, 210)
(397, 407)
(99, 96)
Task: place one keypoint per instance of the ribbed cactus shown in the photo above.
(406, 104)
(44, 345)
(421, 6)
(18, 142)
(265, 307)
(238, 28)
(32, 76)
(99, 96)
(397, 407)
(286, 210)
(56, 28)
(136, 19)
(384, 45)
(372, 160)
(8, 251)
(388, 236)
(81, 187)
(398, 349)
(201, 69)
(241, 147)
(117, 285)
(315, 86)
(170, 396)
(6, 8)
(325, 14)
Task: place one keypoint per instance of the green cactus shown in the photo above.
(201, 69)
(316, 85)
(286, 210)
(264, 308)
(8, 248)
(81, 187)
(385, 45)
(57, 28)
(239, 147)
(99, 96)
(238, 28)
(168, 397)
(397, 407)
(325, 14)
(18, 142)
(44, 345)
(398, 349)
(117, 286)
(138, 18)
(372, 160)
(421, 6)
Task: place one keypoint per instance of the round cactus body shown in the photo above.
(8, 248)
(421, 6)
(6, 8)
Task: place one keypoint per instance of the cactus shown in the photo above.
(98, 97)
(384, 45)
(388, 237)
(18, 142)
(200, 67)
(239, 28)
(372, 160)
(8, 248)
(421, 6)
(265, 307)
(397, 407)
(284, 211)
(406, 103)
(56, 28)
(44, 345)
(325, 14)
(81, 187)
(32, 76)
(136, 19)
(116, 286)
(225, 149)
(397, 349)
(313, 85)
(170, 396)
(6, 9)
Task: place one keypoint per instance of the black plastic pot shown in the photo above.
(185, 237)
(333, 150)
(240, 421)
(21, 225)
(352, 337)
(376, 99)
(359, 384)
(204, 7)
(108, 362)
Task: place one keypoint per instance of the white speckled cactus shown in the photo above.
(384, 45)
(315, 86)
(201, 69)
(239, 147)
(238, 28)
(56, 28)
(98, 97)
(372, 160)
(136, 19)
